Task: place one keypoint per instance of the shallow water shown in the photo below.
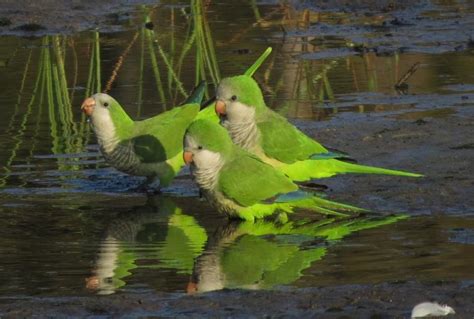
(73, 226)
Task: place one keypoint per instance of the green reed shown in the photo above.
(167, 55)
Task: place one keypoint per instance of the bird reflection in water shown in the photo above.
(264, 254)
(158, 231)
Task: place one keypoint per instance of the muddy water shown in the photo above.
(74, 226)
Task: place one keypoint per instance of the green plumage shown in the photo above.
(211, 136)
(245, 186)
(283, 141)
(151, 147)
(284, 250)
(159, 233)
(248, 180)
(185, 240)
(161, 137)
(281, 144)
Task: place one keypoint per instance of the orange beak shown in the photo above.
(188, 157)
(191, 288)
(88, 106)
(220, 108)
(92, 282)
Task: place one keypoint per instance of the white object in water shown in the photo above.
(431, 309)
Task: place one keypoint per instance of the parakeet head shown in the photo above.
(238, 98)
(206, 143)
(103, 108)
(99, 104)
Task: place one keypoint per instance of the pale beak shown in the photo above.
(187, 157)
(220, 108)
(88, 106)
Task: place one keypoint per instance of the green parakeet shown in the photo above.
(238, 183)
(152, 147)
(158, 232)
(266, 134)
(264, 254)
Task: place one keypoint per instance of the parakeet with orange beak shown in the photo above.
(268, 135)
(152, 147)
(239, 184)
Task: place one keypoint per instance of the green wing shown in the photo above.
(282, 141)
(248, 181)
(208, 113)
(161, 137)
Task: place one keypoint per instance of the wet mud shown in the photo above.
(438, 147)
(391, 300)
(36, 18)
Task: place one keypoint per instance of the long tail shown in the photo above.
(328, 228)
(197, 94)
(327, 207)
(310, 201)
(299, 199)
(335, 230)
(323, 168)
(364, 169)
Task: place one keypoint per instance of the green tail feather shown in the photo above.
(300, 200)
(251, 70)
(307, 200)
(326, 207)
(310, 169)
(363, 169)
(197, 94)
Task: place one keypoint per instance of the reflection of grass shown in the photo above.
(52, 94)
(60, 71)
(19, 137)
(51, 90)
(63, 129)
(93, 85)
(93, 81)
(309, 80)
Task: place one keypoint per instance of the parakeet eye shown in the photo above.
(233, 98)
(199, 147)
(106, 104)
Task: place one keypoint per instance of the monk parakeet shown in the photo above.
(264, 254)
(266, 134)
(152, 147)
(158, 232)
(238, 183)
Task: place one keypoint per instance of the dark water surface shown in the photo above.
(71, 225)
